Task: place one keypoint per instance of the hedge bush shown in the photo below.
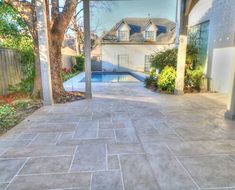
(162, 59)
(193, 78)
(166, 79)
(80, 64)
(150, 81)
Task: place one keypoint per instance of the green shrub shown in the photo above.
(192, 57)
(21, 105)
(169, 58)
(193, 78)
(163, 59)
(80, 64)
(8, 117)
(28, 72)
(150, 81)
(166, 79)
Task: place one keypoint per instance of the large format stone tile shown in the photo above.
(160, 138)
(51, 128)
(143, 127)
(50, 181)
(2, 150)
(86, 130)
(126, 135)
(167, 170)
(158, 149)
(9, 168)
(107, 180)
(137, 173)
(111, 125)
(197, 134)
(3, 186)
(113, 162)
(45, 139)
(170, 174)
(90, 158)
(191, 148)
(14, 143)
(125, 148)
(39, 165)
(27, 136)
(211, 171)
(106, 133)
(36, 151)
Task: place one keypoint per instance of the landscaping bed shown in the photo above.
(163, 72)
(14, 108)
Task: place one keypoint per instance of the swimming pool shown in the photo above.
(112, 77)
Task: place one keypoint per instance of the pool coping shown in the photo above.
(73, 83)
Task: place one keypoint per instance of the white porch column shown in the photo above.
(230, 113)
(87, 43)
(44, 53)
(182, 22)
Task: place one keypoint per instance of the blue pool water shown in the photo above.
(112, 77)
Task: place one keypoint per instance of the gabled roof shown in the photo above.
(137, 26)
(149, 23)
(120, 23)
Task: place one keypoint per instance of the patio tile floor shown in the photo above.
(125, 138)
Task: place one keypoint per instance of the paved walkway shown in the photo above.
(125, 138)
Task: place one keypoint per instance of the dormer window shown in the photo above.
(150, 32)
(123, 32)
(123, 35)
(149, 35)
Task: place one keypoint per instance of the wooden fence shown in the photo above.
(10, 72)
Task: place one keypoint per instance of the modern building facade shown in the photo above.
(130, 43)
(212, 25)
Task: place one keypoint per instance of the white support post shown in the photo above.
(87, 44)
(230, 113)
(181, 34)
(44, 52)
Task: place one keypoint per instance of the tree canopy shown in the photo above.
(13, 30)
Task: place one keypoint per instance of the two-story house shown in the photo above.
(129, 45)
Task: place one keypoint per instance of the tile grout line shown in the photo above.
(91, 180)
(106, 146)
(13, 158)
(98, 129)
(119, 161)
(33, 140)
(17, 173)
(70, 167)
(58, 137)
(182, 166)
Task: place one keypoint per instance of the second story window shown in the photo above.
(123, 36)
(149, 35)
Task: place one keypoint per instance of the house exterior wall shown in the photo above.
(135, 52)
(220, 14)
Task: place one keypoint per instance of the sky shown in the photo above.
(103, 20)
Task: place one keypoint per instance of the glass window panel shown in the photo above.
(198, 36)
(149, 35)
(123, 35)
(147, 63)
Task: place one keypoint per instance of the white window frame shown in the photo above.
(123, 35)
(149, 35)
(147, 63)
(123, 59)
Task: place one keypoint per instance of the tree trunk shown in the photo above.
(77, 42)
(37, 88)
(55, 61)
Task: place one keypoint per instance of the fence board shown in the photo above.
(10, 72)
